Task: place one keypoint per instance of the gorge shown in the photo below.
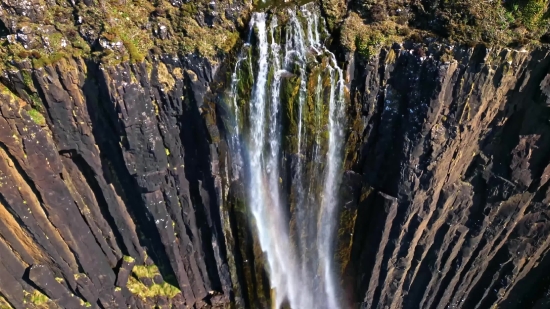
(243, 154)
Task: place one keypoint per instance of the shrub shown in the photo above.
(531, 13)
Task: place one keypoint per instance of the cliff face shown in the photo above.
(123, 165)
(116, 188)
(457, 155)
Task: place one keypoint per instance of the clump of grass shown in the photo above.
(37, 117)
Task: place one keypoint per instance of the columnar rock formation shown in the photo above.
(117, 186)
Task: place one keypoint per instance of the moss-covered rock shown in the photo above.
(116, 31)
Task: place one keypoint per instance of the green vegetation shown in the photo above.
(517, 22)
(531, 13)
(145, 271)
(345, 232)
(334, 10)
(513, 23)
(37, 117)
(4, 303)
(143, 291)
(79, 275)
(127, 30)
(36, 298)
(128, 259)
(85, 304)
(366, 38)
(220, 40)
(27, 79)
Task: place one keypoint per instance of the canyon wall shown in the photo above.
(116, 188)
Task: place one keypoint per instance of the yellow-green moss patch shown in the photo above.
(145, 271)
(4, 303)
(128, 259)
(141, 290)
(36, 298)
(37, 117)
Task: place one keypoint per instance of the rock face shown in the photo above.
(124, 165)
(116, 190)
(457, 155)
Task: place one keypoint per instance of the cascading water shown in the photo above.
(294, 111)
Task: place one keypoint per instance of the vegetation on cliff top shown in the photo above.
(372, 23)
(117, 30)
(127, 30)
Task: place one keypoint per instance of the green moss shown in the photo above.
(132, 22)
(345, 231)
(367, 39)
(37, 117)
(219, 40)
(4, 303)
(290, 89)
(47, 59)
(143, 291)
(85, 304)
(78, 276)
(27, 79)
(167, 151)
(135, 55)
(145, 271)
(128, 259)
(334, 11)
(56, 40)
(36, 298)
(36, 101)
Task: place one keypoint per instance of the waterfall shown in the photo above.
(333, 159)
(295, 113)
(237, 161)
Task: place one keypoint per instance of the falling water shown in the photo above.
(300, 255)
(237, 161)
(336, 137)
